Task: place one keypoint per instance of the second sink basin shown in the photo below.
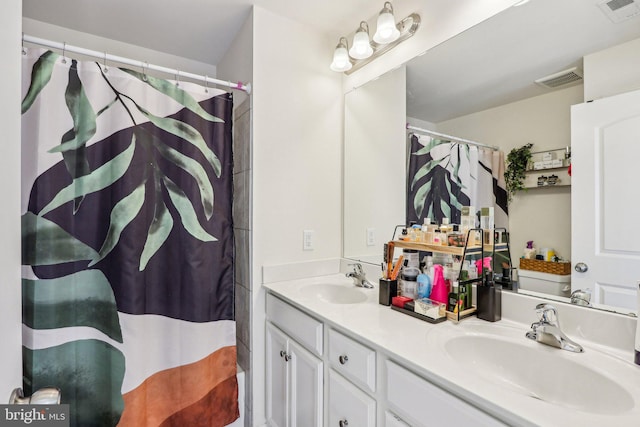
(540, 372)
(335, 294)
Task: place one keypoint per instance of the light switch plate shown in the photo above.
(307, 240)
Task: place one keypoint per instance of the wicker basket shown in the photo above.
(561, 268)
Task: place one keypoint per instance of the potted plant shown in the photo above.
(514, 174)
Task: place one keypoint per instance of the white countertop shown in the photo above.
(416, 343)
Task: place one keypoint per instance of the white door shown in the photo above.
(605, 198)
(306, 387)
(277, 377)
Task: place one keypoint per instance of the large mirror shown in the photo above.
(480, 86)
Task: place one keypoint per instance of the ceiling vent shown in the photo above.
(620, 10)
(564, 78)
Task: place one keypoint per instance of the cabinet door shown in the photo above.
(277, 377)
(348, 405)
(306, 387)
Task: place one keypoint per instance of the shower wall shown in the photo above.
(242, 230)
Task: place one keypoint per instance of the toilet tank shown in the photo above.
(554, 284)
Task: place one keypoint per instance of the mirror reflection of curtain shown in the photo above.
(127, 256)
(444, 176)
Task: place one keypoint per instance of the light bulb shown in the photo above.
(361, 48)
(341, 60)
(386, 30)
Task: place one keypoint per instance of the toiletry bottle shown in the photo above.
(489, 299)
(424, 285)
(439, 292)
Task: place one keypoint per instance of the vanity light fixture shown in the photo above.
(361, 48)
(388, 35)
(386, 30)
(341, 60)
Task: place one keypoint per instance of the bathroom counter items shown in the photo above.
(507, 390)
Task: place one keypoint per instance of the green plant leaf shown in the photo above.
(445, 208)
(84, 298)
(187, 213)
(90, 374)
(186, 132)
(121, 215)
(424, 170)
(159, 230)
(174, 92)
(193, 168)
(84, 118)
(40, 76)
(433, 142)
(97, 180)
(420, 197)
(45, 243)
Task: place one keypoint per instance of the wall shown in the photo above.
(237, 65)
(10, 283)
(374, 200)
(612, 71)
(542, 215)
(297, 133)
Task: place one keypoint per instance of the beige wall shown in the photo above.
(612, 71)
(542, 215)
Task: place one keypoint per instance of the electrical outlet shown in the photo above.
(307, 240)
(371, 236)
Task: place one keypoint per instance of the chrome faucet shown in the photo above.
(358, 276)
(547, 330)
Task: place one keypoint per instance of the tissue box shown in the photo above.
(430, 308)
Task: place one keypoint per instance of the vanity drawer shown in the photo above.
(348, 405)
(417, 401)
(306, 330)
(353, 360)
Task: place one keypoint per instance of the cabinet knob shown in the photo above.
(287, 357)
(343, 359)
(282, 353)
(344, 423)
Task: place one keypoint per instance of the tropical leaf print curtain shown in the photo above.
(444, 176)
(127, 245)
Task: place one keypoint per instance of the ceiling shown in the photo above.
(488, 65)
(497, 61)
(201, 30)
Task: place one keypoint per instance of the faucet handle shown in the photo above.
(357, 268)
(547, 314)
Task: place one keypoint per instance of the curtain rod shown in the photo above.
(453, 138)
(246, 87)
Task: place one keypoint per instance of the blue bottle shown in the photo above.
(424, 285)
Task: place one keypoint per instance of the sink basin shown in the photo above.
(541, 372)
(335, 294)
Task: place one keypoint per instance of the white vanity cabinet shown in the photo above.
(361, 384)
(294, 374)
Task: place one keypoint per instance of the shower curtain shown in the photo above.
(127, 245)
(444, 176)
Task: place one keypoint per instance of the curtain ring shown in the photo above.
(206, 84)
(144, 71)
(177, 78)
(106, 69)
(24, 50)
(64, 50)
